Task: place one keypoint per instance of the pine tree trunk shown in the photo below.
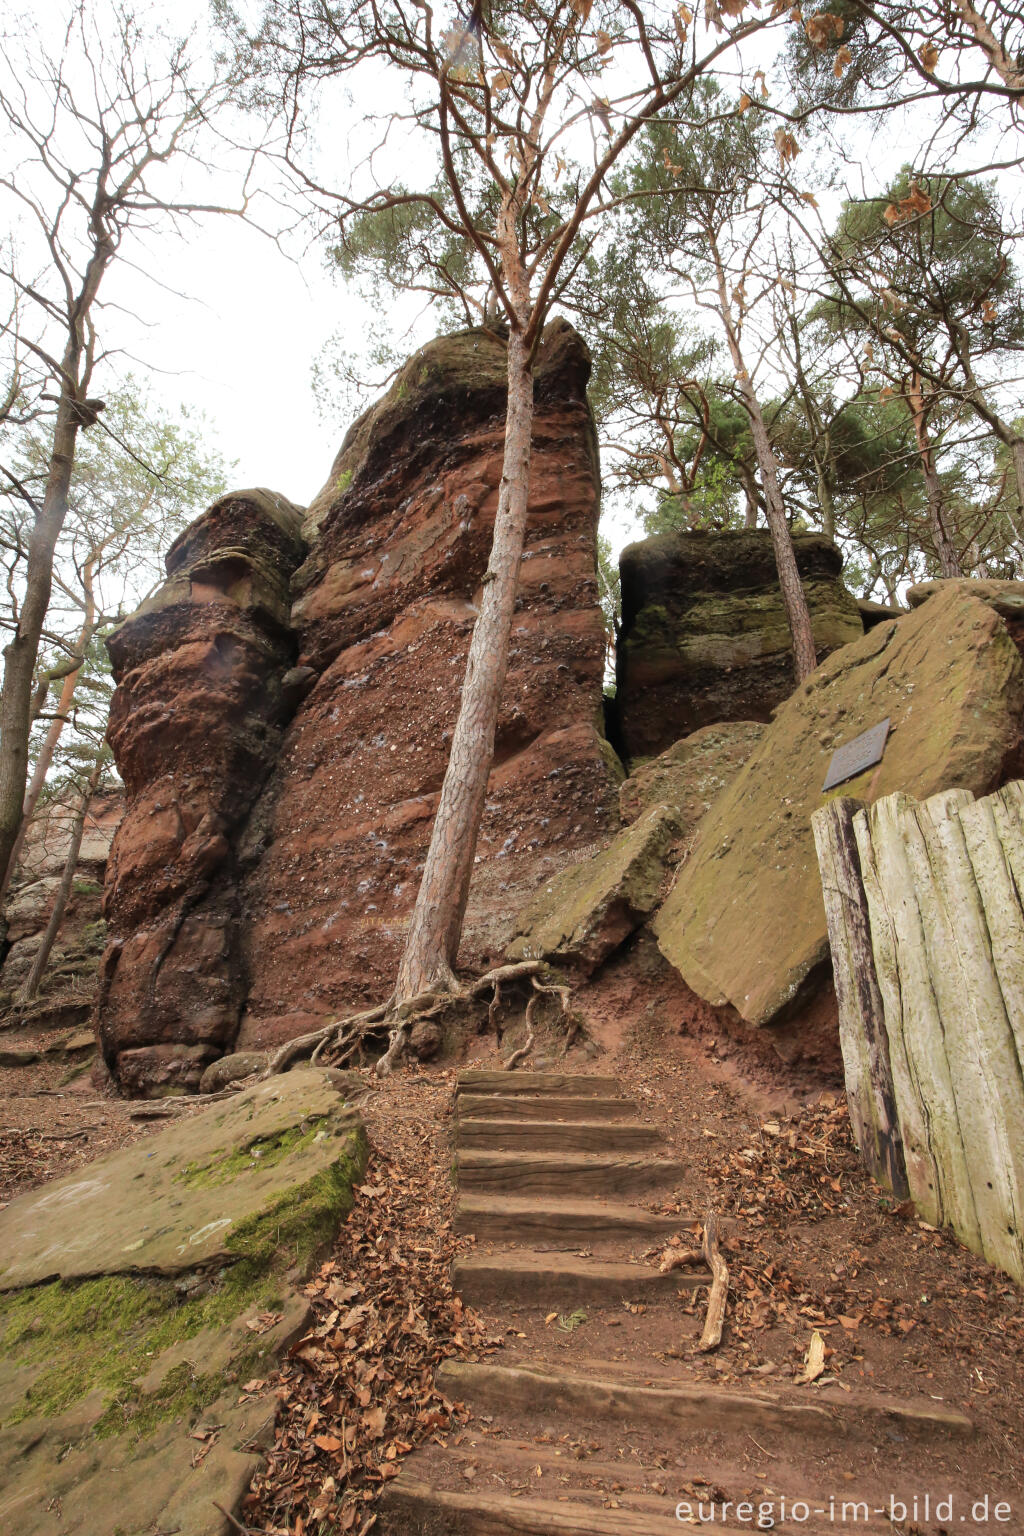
(436, 926)
(797, 613)
(60, 900)
(945, 553)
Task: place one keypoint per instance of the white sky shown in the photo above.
(235, 332)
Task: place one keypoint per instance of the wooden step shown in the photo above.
(411, 1508)
(525, 1275)
(565, 1173)
(557, 1135)
(566, 1396)
(541, 1106)
(563, 1083)
(562, 1222)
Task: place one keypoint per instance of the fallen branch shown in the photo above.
(712, 1335)
(679, 1258)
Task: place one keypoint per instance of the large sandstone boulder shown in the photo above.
(138, 1296)
(195, 725)
(745, 922)
(704, 632)
(692, 773)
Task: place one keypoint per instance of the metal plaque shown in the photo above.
(854, 756)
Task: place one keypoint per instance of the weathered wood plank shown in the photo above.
(865, 1044)
(936, 1170)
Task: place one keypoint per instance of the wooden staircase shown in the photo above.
(587, 1425)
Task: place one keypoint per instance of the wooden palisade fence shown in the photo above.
(926, 926)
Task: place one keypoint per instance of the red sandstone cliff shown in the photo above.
(195, 726)
(271, 877)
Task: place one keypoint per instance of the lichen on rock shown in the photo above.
(745, 921)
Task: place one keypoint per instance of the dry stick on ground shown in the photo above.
(712, 1335)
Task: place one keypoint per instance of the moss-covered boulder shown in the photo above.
(692, 773)
(588, 909)
(704, 630)
(144, 1296)
(745, 922)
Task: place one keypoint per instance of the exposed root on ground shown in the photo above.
(359, 1037)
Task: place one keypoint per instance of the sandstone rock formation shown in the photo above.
(195, 725)
(745, 922)
(704, 633)
(172, 1266)
(273, 874)
(581, 916)
(384, 612)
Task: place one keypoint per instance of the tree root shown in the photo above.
(339, 1043)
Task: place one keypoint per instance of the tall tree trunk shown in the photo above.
(436, 926)
(945, 553)
(50, 741)
(750, 499)
(63, 892)
(826, 505)
(22, 650)
(797, 613)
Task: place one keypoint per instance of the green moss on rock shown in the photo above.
(745, 921)
(107, 1334)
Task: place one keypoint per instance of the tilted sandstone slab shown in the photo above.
(587, 910)
(195, 725)
(141, 1292)
(704, 630)
(384, 610)
(745, 922)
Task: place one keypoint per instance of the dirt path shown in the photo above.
(600, 1415)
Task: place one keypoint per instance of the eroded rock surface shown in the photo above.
(271, 867)
(141, 1292)
(704, 631)
(692, 773)
(745, 921)
(584, 914)
(384, 610)
(195, 725)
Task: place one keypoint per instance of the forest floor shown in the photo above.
(812, 1244)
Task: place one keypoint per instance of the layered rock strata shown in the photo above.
(195, 725)
(704, 632)
(384, 610)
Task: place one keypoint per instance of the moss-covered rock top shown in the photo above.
(462, 375)
(177, 1200)
(130, 1402)
(745, 922)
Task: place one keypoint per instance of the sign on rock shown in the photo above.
(854, 756)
